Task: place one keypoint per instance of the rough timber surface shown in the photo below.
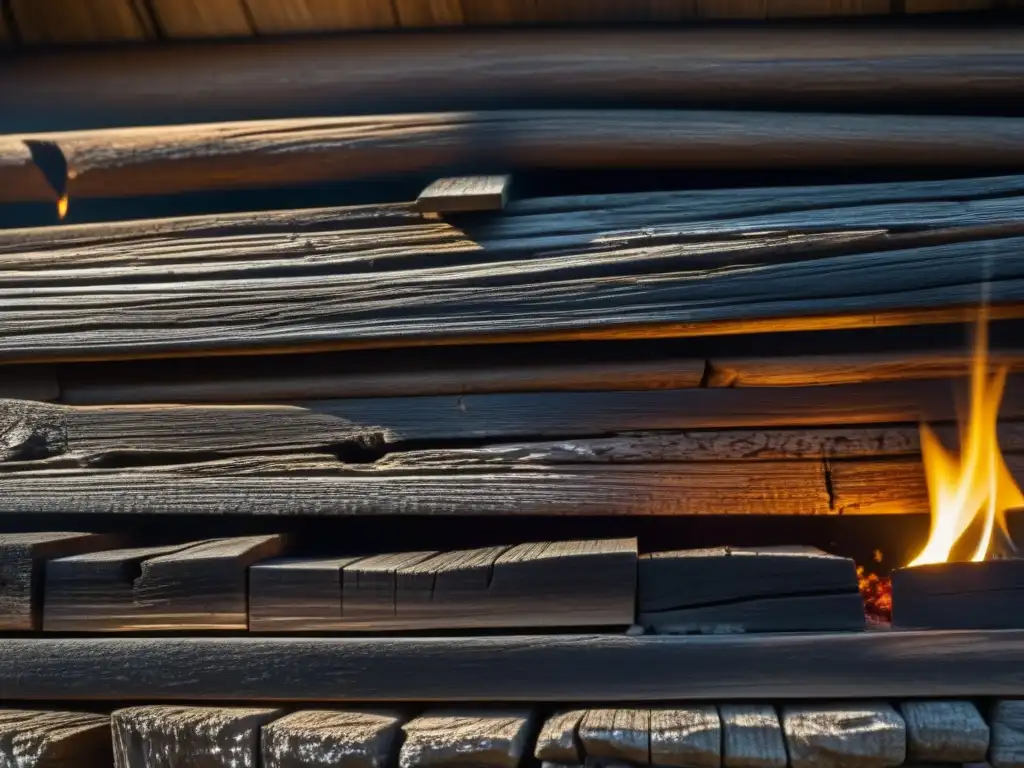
(330, 738)
(172, 159)
(53, 739)
(446, 738)
(958, 595)
(552, 668)
(469, 69)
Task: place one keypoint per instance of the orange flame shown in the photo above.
(975, 488)
(62, 206)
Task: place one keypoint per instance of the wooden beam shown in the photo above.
(463, 194)
(429, 13)
(202, 18)
(816, 67)
(274, 17)
(175, 159)
(590, 669)
(79, 21)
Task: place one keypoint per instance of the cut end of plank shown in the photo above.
(465, 194)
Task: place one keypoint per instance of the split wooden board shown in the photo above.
(780, 589)
(590, 669)
(464, 194)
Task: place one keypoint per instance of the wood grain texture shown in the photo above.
(30, 431)
(871, 734)
(813, 67)
(621, 735)
(781, 589)
(202, 18)
(591, 669)
(174, 735)
(1007, 721)
(52, 739)
(220, 156)
(465, 193)
(22, 571)
(77, 21)
(272, 17)
(296, 594)
(957, 595)
(489, 739)
(689, 737)
(884, 487)
(429, 13)
(752, 737)
(786, 488)
(558, 740)
(945, 730)
(332, 739)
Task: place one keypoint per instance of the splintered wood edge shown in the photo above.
(463, 194)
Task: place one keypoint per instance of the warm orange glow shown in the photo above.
(975, 489)
(62, 207)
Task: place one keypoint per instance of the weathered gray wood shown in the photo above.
(332, 739)
(752, 737)
(262, 465)
(811, 66)
(199, 586)
(50, 739)
(22, 571)
(945, 731)
(959, 595)
(590, 670)
(690, 737)
(30, 431)
(369, 590)
(617, 735)
(296, 594)
(465, 193)
(145, 737)
(490, 739)
(1007, 723)
(780, 589)
(862, 735)
(557, 741)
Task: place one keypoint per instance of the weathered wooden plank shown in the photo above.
(369, 588)
(867, 734)
(944, 731)
(958, 595)
(171, 159)
(271, 17)
(443, 738)
(51, 739)
(202, 18)
(22, 559)
(752, 737)
(620, 735)
(780, 589)
(296, 594)
(787, 488)
(428, 13)
(589, 669)
(1007, 721)
(557, 741)
(77, 21)
(30, 431)
(465, 193)
(330, 738)
(174, 735)
(689, 737)
(884, 487)
(199, 586)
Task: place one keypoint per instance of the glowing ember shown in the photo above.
(972, 491)
(62, 206)
(877, 594)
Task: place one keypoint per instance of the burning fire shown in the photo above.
(970, 492)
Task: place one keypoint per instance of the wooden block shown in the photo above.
(429, 13)
(689, 737)
(22, 571)
(465, 193)
(752, 737)
(77, 21)
(945, 731)
(288, 16)
(332, 739)
(165, 736)
(862, 735)
(48, 739)
(488, 739)
(202, 18)
(296, 594)
(616, 734)
(200, 586)
(450, 589)
(29, 382)
(558, 741)
(892, 486)
(1007, 723)
(369, 590)
(750, 590)
(959, 595)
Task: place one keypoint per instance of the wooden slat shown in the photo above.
(53, 739)
(885, 486)
(296, 594)
(946, 6)
(22, 559)
(413, 14)
(202, 18)
(823, 8)
(748, 590)
(218, 737)
(732, 9)
(461, 194)
(173, 159)
(199, 586)
(590, 669)
(287, 16)
(77, 21)
(490, 739)
(360, 739)
(815, 67)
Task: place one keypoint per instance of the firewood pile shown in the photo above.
(504, 398)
